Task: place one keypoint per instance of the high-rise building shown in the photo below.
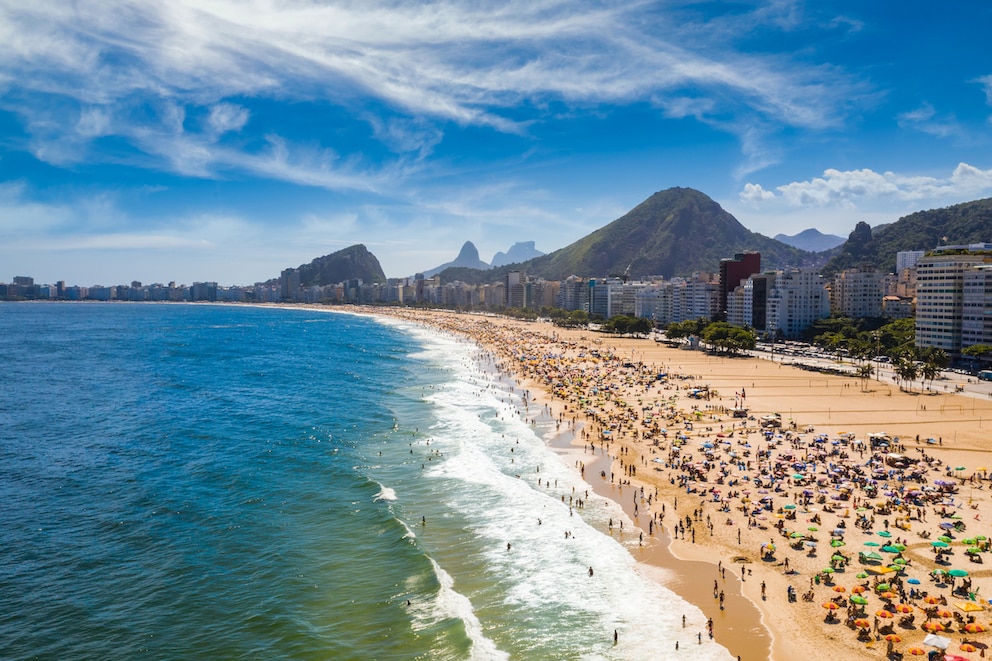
(858, 294)
(940, 296)
(796, 299)
(733, 271)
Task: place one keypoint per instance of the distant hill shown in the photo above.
(348, 264)
(468, 257)
(811, 240)
(970, 222)
(518, 252)
(674, 232)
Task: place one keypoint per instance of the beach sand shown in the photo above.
(606, 389)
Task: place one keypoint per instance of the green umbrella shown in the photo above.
(957, 572)
(873, 556)
(813, 529)
(796, 535)
(890, 549)
(981, 538)
(899, 561)
(827, 570)
(858, 599)
(973, 550)
(898, 547)
(882, 587)
(872, 544)
(798, 476)
(861, 575)
(836, 543)
(969, 540)
(838, 558)
(945, 538)
(884, 533)
(939, 544)
(959, 468)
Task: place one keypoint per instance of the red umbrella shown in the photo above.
(883, 613)
(974, 627)
(903, 608)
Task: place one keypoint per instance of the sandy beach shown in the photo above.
(854, 528)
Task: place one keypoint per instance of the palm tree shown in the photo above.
(865, 373)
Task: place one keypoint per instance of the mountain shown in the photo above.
(518, 252)
(468, 257)
(673, 233)
(875, 249)
(811, 240)
(348, 264)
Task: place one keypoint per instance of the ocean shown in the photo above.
(219, 482)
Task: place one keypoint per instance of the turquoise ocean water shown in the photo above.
(209, 482)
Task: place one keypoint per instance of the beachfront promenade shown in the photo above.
(854, 529)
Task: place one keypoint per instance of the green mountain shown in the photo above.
(354, 262)
(970, 222)
(672, 233)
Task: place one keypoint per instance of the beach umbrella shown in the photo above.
(945, 538)
(932, 626)
(872, 544)
(796, 535)
(827, 570)
(838, 558)
(967, 647)
(858, 589)
(813, 529)
(913, 581)
(858, 599)
(872, 555)
(939, 544)
(837, 543)
(968, 606)
(888, 595)
(884, 533)
(840, 588)
(861, 574)
(893, 638)
(974, 627)
(884, 614)
(831, 606)
(903, 608)
(972, 550)
(862, 623)
(882, 587)
(931, 599)
(916, 651)
(890, 549)
(943, 612)
(959, 573)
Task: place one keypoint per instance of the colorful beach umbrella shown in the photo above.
(884, 614)
(862, 623)
(831, 606)
(967, 647)
(858, 599)
(903, 608)
(916, 651)
(974, 627)
(959, 573)
(933, 627)
(893, 638)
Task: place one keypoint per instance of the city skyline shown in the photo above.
(227, 141)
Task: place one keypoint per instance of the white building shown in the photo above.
(796, 299)
(940, 284)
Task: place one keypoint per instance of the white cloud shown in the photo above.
(443, 60)
(926, 120)
(225, 117)
(854, 188)
(986, 82)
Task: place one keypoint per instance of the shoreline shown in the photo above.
(608, 384)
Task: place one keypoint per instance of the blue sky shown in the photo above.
(226, 140)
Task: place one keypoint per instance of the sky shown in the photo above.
(214, 140)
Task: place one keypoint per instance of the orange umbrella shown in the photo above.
(888, 595)
(858, 589)
(943, 612)
(893, 638)
(862, 623)
(883, 613)
(931, 600)
(903, 608)
(917, 651)
(968, 647)
(933, 626)
(831, 606)
(974, 627)
(840, 588)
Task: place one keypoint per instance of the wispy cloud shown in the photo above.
(926, 120)
(851, 188)
(443, 61)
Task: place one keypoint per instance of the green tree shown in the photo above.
(865, 373)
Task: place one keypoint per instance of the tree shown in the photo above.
(906, 369)
(728, 338)
(865, 373)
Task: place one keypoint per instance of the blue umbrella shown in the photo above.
(913, 581)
